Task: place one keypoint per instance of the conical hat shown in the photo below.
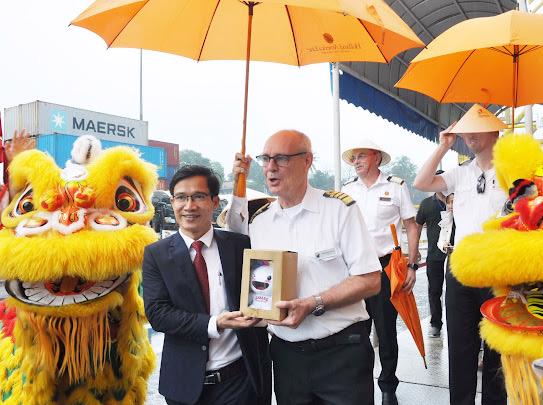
(478, 119)
(365, 144)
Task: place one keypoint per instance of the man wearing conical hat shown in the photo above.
(477, 197)
(383, 200)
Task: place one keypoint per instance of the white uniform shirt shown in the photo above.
(471, 209)
(383, 203)
(332, 243)
(223, 347)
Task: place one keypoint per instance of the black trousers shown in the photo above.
(384, 317)
(341, 374)
(236, 390)
(463, 317)
(435, 271)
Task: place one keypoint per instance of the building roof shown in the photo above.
(411, 110)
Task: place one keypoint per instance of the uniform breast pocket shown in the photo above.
(385, 208)
(462, 197)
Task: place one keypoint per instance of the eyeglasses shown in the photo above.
(361, 156)
(481, 183)
(280, 160)
(184, 198)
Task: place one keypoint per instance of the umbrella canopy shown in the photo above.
(490, 60)
(295, 32)
(404, 302)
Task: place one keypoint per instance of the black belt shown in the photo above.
(350, 335)
(231, 370)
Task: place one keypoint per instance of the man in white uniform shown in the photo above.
(477, 197)
(383, 200)
(321, 351)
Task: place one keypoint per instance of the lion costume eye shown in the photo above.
(128, 198)
(25, 203)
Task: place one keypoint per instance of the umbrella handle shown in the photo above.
(394, 234)
(241, 185)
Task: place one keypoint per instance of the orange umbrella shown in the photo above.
(487, 60)
(404, 302)
(295, 32)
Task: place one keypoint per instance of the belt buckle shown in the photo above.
(213, 378)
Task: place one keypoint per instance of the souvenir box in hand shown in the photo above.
(268, 276)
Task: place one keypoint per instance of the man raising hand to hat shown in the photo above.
(477, 197)
(383, 200)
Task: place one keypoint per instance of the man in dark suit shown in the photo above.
(191, 288)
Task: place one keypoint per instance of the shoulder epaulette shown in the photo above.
(395, 179)
(259, 211)
(347, 200)
(351, 181)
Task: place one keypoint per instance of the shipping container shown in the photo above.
(170, 171)
(40, 117)
(162, 184)
(172, 151)
(60, 147)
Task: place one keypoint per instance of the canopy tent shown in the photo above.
(371, 85)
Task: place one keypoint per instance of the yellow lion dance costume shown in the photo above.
(70, 253)
(508, 256)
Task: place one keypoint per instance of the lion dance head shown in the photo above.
(70, 252)
(508, 256)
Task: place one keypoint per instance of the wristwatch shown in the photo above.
(413, 266)
(319, 309)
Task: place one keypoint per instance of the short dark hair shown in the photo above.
(213, 182)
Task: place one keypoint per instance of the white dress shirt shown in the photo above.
(332, 243)
(383, 203)
(470, 208)
(223, 347)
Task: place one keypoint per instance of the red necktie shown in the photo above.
(201, 271)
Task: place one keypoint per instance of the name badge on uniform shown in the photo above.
(327, 254)
(385, 199)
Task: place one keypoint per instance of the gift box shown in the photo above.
(268, 276)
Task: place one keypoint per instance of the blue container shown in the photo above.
(170, 171)
(60, 148)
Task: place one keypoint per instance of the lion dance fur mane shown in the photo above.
(72, 331)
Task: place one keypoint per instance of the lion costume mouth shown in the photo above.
(64, 291)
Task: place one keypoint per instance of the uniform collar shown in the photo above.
(206, 238)
(310, 202)
(381, 179)
(473, 164)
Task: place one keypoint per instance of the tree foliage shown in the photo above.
(191, 157)
(403, 167)
(322, 179)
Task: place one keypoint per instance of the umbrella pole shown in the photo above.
(241, 182)
(515, 76)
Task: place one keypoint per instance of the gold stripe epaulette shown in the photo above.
(260, 211)
(347, 200)
(395, 179)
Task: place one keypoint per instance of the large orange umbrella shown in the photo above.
(295, 32)
(489, 60)
(404, 302)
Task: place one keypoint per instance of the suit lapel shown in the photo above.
(228, 262)
(184, 268)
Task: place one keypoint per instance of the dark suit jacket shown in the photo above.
(174, 305)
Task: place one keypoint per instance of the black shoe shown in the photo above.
(389, 398)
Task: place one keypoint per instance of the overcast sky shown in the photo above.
(197, 105)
